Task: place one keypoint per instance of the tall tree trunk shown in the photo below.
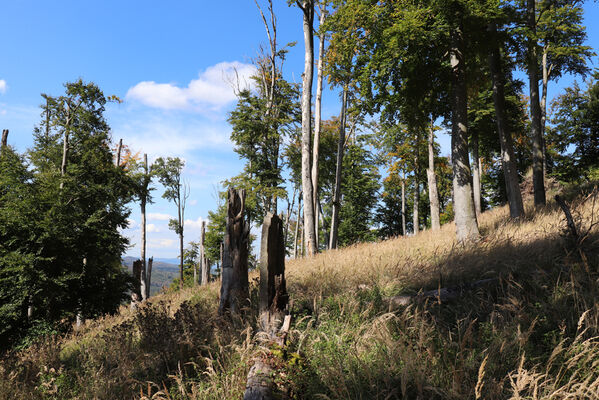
(297, 224)
(317, 120)
(307, 7)
(416, 218)
(546, 73)
(337, 194)
(508, 160)
(145, 285)
(476, 173)
(149, 276)
(288, 216)
(403, 204)
(65, 147)
(535, 108)
(203, 261)
(465, 216)
(433, 194)
(234, 291)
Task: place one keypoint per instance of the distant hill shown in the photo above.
(163, 272)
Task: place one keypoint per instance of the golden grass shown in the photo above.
(519, 340)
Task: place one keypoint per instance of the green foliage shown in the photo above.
(60, 246)
(360, 187)
(575, 134)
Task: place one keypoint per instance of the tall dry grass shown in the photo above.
(532, 335)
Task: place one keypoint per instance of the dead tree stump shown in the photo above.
(4, 142)
(273, 291)
(234, 291)
(137, 276)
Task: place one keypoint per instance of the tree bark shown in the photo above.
(4, 139)
(546, 73)
(433, 194)
(317, 120)
(65, 147)
(149, 276)
(234, 287)
(145, 290)
(337, 194)
(273, 293)
(476, 173)
(416, 217)
(403, 204)
(535, 109)
(307, 7)
(205, 268)
(508, 160)
(297, 224)
(118, 153)
(465, 216)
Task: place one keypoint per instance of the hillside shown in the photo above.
(163, 273)
(531, 333)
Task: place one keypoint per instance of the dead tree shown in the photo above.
(234, 291)
(4, 139)
(273, 292)
(205, 268)
(149, 276)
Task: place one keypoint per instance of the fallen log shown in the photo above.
(441, 295)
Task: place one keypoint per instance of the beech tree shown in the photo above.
(169, 172)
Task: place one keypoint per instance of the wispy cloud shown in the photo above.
(3, 86)
(151, 228)
(212, 90)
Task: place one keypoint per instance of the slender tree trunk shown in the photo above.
(307, 7)
(476, 173)
(317, 119)
(145, 284)
(288, 216)
(465, 216)
(433, 194)
(234, 291)
(535, 108)
(297, 224)
(203, 261)
(403, 204)
(508, 160)
(416, 218)
(118, 153)
(546, 73)
(338, 170)
(180, 220)
(149, 276)
(65, 147)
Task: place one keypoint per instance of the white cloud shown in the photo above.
(161, 243)
(193, 202)
(131, 223)
(211, 91)
(159, 216)
(197, 224)
(152, 228)
(3, 86)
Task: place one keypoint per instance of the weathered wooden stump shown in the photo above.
(234, 291)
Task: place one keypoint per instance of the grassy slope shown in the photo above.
(531, 335)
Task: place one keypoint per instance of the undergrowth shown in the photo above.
(533, 333)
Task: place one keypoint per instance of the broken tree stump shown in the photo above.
(4, 142)
(273, 290)
(234, 291)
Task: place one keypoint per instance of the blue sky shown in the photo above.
(169, 62)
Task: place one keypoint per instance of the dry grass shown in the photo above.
(533, 335)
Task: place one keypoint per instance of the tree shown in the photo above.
(169, 172)
(360, 196)
(575, 134)
(142, 175)
(307, 8)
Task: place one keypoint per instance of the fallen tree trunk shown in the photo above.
(441, 295)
